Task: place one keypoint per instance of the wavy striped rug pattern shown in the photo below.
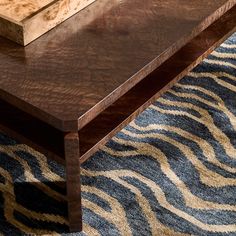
(170, 172)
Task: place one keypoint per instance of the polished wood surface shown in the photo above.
(73, 185)
(49, 140)
(130, 105)
(68, 80)
(25, 20)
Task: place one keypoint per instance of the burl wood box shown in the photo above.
(25, 20)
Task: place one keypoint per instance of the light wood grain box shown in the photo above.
(25, 20)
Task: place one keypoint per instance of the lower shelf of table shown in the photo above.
(49, 140)
(28, 130)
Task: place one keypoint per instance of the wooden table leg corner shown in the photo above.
(73, 185)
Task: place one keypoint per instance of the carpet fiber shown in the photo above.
(170, 172)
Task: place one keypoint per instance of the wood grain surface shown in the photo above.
(73, 185)
(68, 80)
(66, 96)
(101, 129)
(25, 20)
(39, 135)
(17, 11)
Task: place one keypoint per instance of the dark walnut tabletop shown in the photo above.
(72, 73)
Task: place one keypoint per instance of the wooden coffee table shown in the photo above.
(70, 91)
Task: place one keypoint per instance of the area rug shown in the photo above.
(172, 171)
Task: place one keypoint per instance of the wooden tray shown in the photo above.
(25, 20)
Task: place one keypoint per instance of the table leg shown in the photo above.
(73, 185)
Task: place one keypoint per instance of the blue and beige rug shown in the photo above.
(170, 172)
